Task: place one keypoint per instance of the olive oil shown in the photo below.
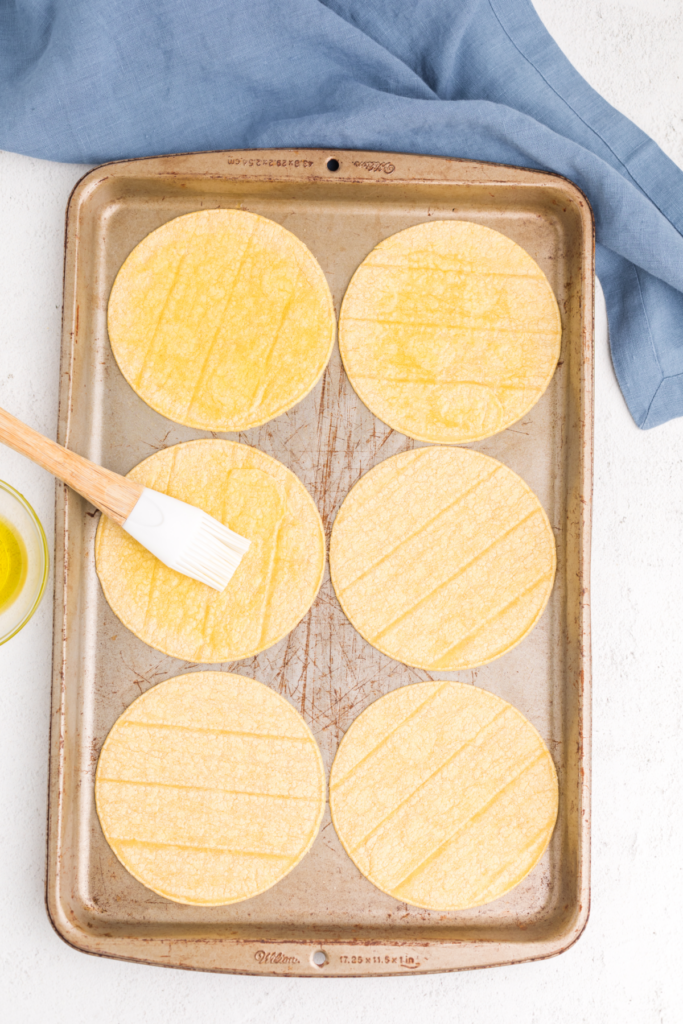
(13, 564)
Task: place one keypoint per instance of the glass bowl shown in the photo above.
(24, 561)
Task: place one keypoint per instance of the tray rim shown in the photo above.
(253, 957)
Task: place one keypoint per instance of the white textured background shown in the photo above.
(627, 966)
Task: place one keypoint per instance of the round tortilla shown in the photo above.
(275, 583)
(443, 795)
(442, 558)
(210, 788)
(221, 320)
(449, 331)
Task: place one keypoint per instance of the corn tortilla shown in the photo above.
(272, 588)
(221, 320)
(443, 795)
(210, 788)
(449, 331)
(442, 558)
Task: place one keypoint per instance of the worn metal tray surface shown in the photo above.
(324, 910)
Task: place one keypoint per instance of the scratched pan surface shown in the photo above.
(324, 906)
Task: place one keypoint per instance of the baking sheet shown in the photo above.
(324, 906)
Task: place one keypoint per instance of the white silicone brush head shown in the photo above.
(186, 539)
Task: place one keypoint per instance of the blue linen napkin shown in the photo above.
(96, 80)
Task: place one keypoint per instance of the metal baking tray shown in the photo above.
(341, 204)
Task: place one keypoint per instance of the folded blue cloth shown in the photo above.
(95, 80)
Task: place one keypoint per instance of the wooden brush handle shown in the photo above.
(110, 493)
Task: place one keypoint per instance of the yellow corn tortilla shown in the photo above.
(275, 583)
(449, 331)
(221, 320)
(442, 558)
(210, 788)
(443, 795)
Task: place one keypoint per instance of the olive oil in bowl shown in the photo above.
(13, 564)
(23, 561)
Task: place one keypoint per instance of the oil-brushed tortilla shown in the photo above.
(449, 331)
(275, 583)
(443, 795)
(442, 558)
(210, 788)
(221, 320)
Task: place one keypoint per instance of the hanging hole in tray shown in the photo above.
(332, 164)
(319, 958)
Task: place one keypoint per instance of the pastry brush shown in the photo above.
(183, 537)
